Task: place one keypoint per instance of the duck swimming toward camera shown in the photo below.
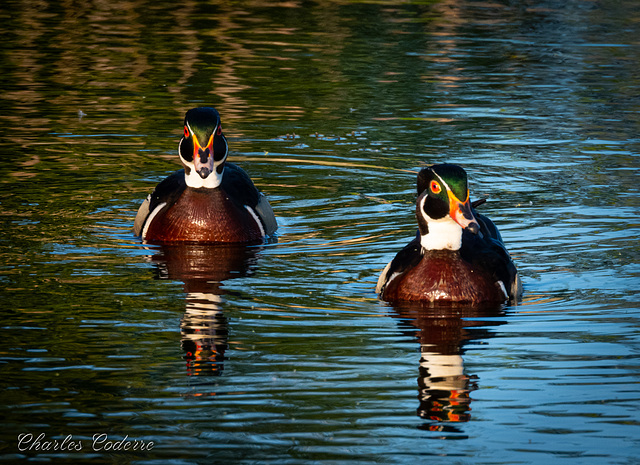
(210, 200)
(457, 256)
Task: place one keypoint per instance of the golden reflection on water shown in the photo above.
(335, 163)
(540, 299)
(109, 57)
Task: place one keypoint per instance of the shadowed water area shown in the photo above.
(282, 353)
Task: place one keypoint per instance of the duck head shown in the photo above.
(203, 148)
(443, 208)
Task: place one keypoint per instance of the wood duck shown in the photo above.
(209, 200)
(457, 256)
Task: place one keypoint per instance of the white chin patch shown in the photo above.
(444, 234)
(194, 180)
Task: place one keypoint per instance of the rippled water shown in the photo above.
(281, 353)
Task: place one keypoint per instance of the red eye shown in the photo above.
(219, 131)
(186, 131)
(435, 187)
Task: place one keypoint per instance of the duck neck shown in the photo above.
(444, 234)
(193, 179)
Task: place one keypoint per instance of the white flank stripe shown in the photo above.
(255, 217)
(382, 280)
(150, 219)
(504, 289)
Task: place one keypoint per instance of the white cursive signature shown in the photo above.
(100, 442)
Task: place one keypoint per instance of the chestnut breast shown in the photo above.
(443, 276)
(203, 215)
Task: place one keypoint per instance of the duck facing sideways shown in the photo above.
(209, 200)
(457, 256)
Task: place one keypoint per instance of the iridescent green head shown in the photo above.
(443, 199)
(203, 148)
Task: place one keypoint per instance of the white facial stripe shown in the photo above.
(193, 134)
(445, 184)
(226, 144)
(196, 137)
(150, 219)
(442, 181)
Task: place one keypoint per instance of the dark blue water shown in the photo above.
(281, 353)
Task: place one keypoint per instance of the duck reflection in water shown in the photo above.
(442, 331)
(203, 268)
